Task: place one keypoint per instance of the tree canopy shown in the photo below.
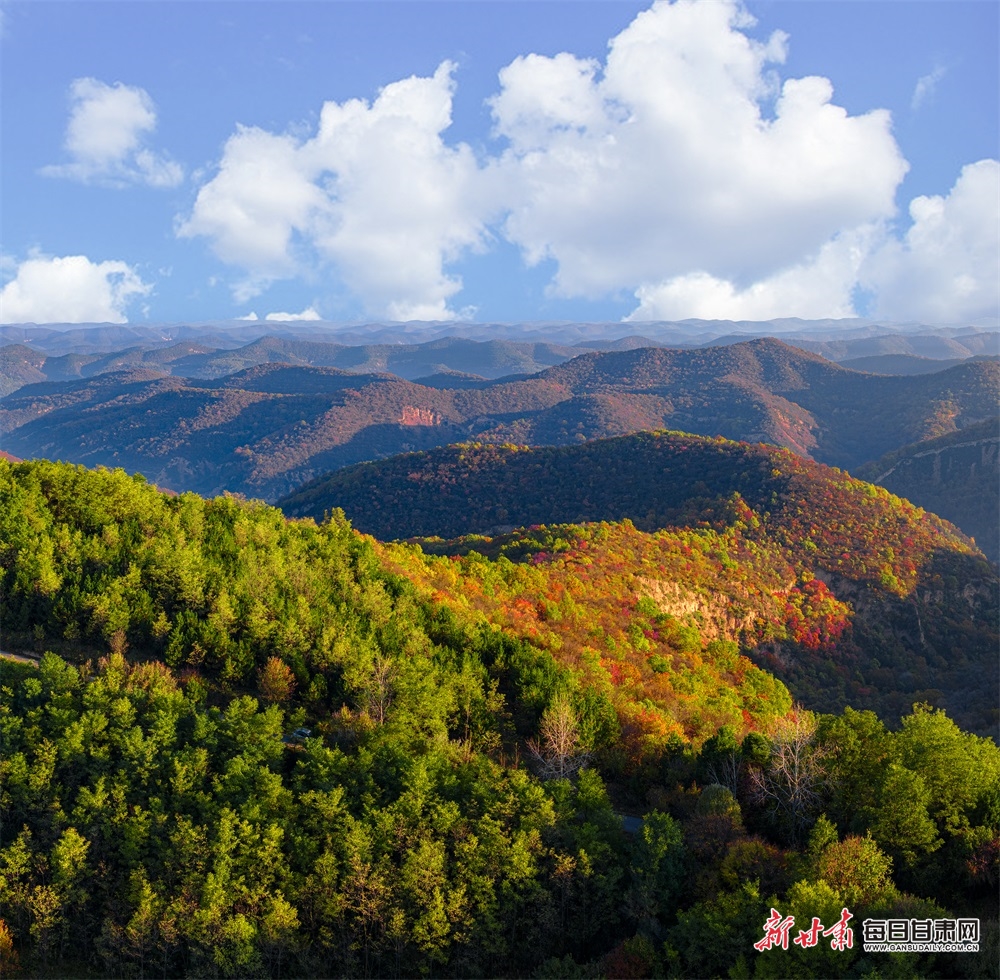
(162, 811)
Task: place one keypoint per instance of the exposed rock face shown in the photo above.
(419, 416)
(717, 615)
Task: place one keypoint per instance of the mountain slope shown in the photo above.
(899, 364)
(261, 432)
(19, 366)
(309, 754)
(767, 390)
(955, 475)
(867, 582)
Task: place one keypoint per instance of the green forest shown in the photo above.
(255, 746)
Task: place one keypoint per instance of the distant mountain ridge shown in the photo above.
(268, 428)
(106, 337)
(899, 363)
(21, 364)
(189, 348)
(931, 345)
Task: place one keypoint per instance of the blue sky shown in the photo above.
(500, 161)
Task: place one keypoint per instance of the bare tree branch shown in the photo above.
(557, 753)
(789, 784)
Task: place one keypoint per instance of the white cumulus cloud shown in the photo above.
(819, 287)
(665, 172)
(946, 269)
(106, 138)
(260, 196)
(70, 289)
(376, 193)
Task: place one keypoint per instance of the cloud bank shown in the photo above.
(307, 314)
(106, 138)
(70, 289)
(681, 170)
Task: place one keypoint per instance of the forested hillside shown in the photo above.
(765, 390)
(454, 809)
(773, 537)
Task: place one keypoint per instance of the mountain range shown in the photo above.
(267, 429)
(20, 364)
(849, 337)
(36, 354)
(520, 682)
